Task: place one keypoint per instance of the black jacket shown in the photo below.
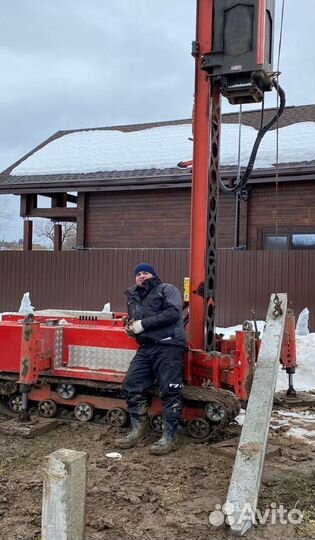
(159, 308)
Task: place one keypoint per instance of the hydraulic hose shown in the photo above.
(262, 131)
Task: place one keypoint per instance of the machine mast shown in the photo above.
(199, 203)
(233, 56)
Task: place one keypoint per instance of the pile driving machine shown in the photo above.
(72, 364)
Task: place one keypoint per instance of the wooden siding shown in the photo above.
(161, 218)
(226, 220)
(155, 218)
(292, 210)
(88, 279)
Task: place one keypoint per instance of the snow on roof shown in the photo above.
(160, 148)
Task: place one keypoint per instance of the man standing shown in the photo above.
(155, 320)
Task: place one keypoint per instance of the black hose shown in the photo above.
(262, 131)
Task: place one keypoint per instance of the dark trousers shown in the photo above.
(161, 362)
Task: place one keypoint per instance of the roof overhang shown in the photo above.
(142, 180)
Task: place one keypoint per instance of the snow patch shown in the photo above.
(304, 378)
(162, 147)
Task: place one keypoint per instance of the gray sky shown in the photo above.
(86, 63)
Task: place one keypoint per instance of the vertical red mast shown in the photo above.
(198, 231)
(233, 53)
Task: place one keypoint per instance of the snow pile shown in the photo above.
(160, 148)
(26, 306)
(302, 323)
(229, 331)
(106, 308)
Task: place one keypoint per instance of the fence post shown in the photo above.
(63, 516)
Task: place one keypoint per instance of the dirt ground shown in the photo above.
(145, 497)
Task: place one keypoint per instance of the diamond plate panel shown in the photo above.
(100, 358)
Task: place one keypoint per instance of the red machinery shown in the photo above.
(77, 367)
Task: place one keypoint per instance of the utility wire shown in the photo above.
(237, 197)
(277, 128)
(241, 182)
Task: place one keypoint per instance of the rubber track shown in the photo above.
(198, 395)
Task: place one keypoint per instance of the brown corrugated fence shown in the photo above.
(89, 279)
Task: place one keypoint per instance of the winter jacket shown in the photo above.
(159, 308)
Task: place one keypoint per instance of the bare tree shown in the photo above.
(5, 215)
(45, 232)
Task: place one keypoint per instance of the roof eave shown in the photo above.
(176, 180)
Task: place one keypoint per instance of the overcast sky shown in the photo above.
(86, 63)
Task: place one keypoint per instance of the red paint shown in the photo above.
(261, 32)
(288, 351)
(199, 367)
(198, 233)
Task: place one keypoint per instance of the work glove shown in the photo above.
(133, 328)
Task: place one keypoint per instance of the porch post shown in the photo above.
(27, 235)
(57, 237)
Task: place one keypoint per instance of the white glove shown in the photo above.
(135, 327)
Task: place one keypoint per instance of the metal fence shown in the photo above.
(245, 281)
(89, 279)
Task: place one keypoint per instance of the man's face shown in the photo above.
(141, 277)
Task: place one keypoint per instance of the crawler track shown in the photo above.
(206, 410)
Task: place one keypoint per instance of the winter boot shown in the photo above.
(167, 443)
(139, 429)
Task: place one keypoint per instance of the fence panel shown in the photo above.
(89, 279)
(81, 279)
(245, 280)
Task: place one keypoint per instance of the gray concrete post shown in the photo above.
(242, 497)
(63, 515)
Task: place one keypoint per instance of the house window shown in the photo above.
(303, 241)
(273, 241)
(289, 241)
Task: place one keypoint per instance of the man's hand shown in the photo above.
(133, 328)
(129, 332)
(124, 320)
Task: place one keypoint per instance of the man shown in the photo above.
(155, 320)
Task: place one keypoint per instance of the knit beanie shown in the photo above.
(144, 267)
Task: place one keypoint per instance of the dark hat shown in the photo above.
(144, 267)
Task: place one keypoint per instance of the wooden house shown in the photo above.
(124, 194)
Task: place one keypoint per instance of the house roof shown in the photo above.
(151, 174)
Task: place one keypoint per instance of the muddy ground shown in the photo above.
(152, 498)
